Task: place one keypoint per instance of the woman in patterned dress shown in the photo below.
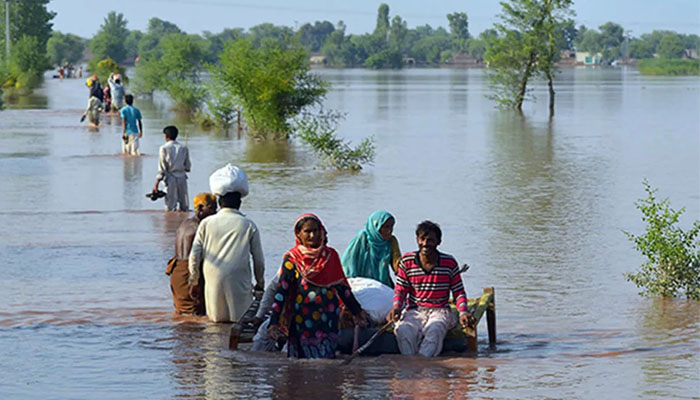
(311, 287)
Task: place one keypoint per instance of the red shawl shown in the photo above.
(319, 266)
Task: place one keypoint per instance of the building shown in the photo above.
(586, 58)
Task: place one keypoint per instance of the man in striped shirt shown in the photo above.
(422, 293)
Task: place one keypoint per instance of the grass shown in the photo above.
(672, 67)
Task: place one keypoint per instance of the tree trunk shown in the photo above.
(523, 82)
(550, 84)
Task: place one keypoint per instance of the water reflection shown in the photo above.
(133, 185)
(672, 328)
(268, 151)
(35, 100)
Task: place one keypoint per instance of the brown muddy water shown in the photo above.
(536, 208)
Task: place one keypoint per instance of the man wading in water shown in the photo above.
(204, 206)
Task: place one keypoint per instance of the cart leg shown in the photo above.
(491, 316)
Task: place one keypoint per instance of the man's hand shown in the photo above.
(394, 314)
(259, 287)
(274, 332)
(140, 135)
(466, 319)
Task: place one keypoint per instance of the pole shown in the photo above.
(7, 28)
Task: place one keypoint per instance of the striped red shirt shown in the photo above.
(417, 288)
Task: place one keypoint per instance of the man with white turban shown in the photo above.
(223, 246)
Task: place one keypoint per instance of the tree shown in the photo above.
(641, 49)
(525, 48)
(65, 48)
(26, 65)
(611, 39)
(269, 32)
(271, 82)
(29, 18)
(109, 41)
(175, 69)
(314, 36)
(149, 43)
(381, 29)
(670, 46)
(459, 30)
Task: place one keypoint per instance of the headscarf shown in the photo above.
(203, 199)
(369, 255)
(319, 266)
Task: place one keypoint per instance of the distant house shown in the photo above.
(586, 58)
(567, 58)
(317, 59)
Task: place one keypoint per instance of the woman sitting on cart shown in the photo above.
(307, 302)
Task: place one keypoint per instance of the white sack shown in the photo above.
(375, 297)
(228, 179)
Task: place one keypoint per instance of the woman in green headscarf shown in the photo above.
(373, 250)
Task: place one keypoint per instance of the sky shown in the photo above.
(84, 17)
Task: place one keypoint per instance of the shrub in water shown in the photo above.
(673, 255)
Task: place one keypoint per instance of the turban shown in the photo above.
(202, 199)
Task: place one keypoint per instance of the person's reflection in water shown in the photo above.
(455, 379)
(189, 356)
(133, 172)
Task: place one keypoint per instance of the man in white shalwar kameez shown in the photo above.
(223, 245)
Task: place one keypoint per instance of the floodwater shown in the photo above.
(537, 208)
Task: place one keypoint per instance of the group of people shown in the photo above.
(67, 70)
(113, 99)
(210, 275)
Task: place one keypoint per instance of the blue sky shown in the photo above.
(83, 17)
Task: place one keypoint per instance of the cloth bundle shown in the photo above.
(375, 297)
(228, 179)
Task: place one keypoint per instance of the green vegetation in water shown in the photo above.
(272, 83)
(106, 67)
(318, 132)
(674, 67)
(673, 255)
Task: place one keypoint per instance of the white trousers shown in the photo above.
(132, 145)
(422, 330)
(176, 193)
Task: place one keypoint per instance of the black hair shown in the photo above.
(302, 221)
(427, 227)
(230, 200)
(171, 132)
(129, 99)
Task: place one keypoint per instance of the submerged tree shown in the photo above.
(109, 41)
(527, 46)
(271, 82)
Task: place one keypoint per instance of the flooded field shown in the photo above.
(537, 208)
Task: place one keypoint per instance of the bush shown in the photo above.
(221, 106)
(272, 83)
(676, 67)
(175, 70)
(673, 255)
(106, 67)
(26, 65)
(318, 132)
